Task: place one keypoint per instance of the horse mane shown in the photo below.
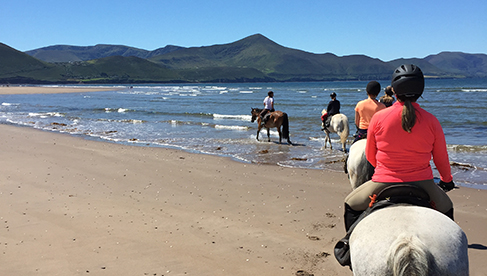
(409, 256)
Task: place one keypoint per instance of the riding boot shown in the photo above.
(350, 216)
(328, 122)
(449, 214)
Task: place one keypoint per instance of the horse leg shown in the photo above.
(343, 140)
(268, 135)
(327, 138)
(258, 130)
(280, 135)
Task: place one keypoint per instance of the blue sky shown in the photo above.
(385, 29)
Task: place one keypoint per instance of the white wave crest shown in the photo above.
(46, 114)
(9, 104)
(119, 110)
(231, 127)
(475, 90)
(232, 117)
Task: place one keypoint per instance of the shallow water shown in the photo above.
(215, 119)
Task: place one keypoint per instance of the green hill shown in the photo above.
(18, 67)
(15, 62)
(117, 69)
(473, 65)
(67, 53)
(276, 61)
(252, 59)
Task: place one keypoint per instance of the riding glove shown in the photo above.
(446, 186)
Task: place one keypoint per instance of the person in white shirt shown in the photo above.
(268, 105)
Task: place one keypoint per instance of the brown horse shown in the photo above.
(276, 119)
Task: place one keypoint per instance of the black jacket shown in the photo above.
(333, 108)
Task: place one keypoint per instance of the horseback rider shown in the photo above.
(268, 106)
(388, 98)
(332, 109)
(400, 143)
(365, 109)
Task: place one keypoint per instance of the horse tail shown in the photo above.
(285, 126)
(408, 256)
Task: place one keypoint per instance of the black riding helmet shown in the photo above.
(408, 81)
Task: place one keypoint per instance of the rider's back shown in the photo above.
(395, 163)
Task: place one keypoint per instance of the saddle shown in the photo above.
(389, 196)
(404, 192)
(265, 118)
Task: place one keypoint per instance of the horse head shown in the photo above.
(255, 114)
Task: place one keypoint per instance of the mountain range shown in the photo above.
(252, 59)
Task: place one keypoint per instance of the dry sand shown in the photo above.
(70, 206)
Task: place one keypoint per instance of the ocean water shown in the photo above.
(215, 119)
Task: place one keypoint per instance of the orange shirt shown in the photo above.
(366, 109)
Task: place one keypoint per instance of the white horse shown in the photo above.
(408, 240)
(356, 165)
(339, 125)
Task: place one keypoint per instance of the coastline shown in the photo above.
(75, 206)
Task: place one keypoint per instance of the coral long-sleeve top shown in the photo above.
(399, 156)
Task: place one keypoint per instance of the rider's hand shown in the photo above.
(446, 186)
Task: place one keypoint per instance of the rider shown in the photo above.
(332, 109)
(388, 98)
(268, 106)
(400, 143)
(365, 109)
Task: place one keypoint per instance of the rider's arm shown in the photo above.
(357, 119)
(440, 154)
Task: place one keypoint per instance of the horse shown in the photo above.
(339, 125)
(276, 119)
(408, 240)
(356, 164)
(403, 239)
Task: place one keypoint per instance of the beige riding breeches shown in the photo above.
(359, 199)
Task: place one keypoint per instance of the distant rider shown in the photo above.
(365, 109)
(388, 98)
(268, 106)
(332, 109)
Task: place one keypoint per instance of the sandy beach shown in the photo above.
(47, 90)
(71, 206)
